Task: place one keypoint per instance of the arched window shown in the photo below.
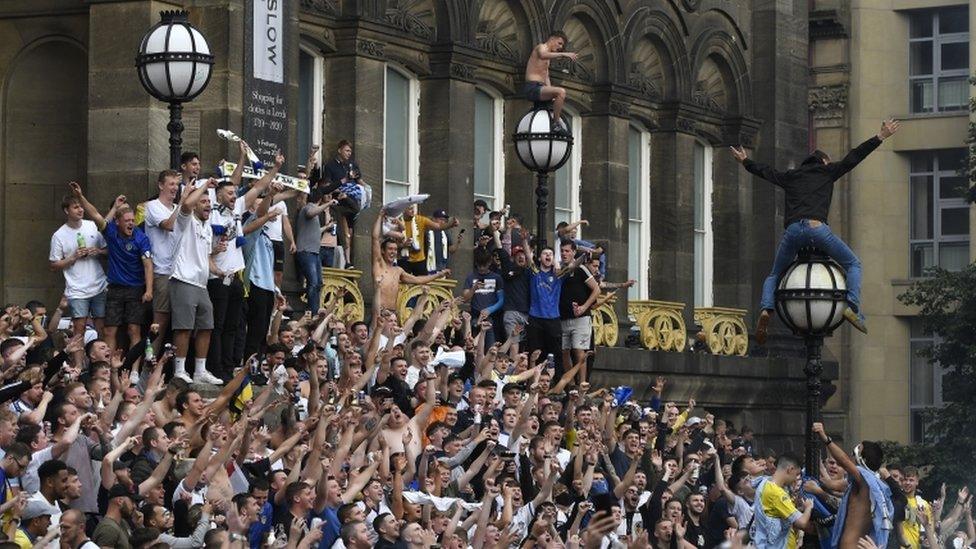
(310, 100)
(489, 159)
(401, 152)
(638, 210)
(565, 196)
(703, 225)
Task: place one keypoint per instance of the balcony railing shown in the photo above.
(661, 323)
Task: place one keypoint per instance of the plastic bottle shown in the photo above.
(82, 243)
(150, 354)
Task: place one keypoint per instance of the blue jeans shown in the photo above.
(310, 269)
(327, 253)
(800, 234)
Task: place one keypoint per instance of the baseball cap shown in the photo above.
(119, 490)
(693, 421)
(381, 391)
(442, 214)
(37, 507)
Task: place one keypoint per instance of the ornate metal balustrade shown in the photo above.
(605, 324)
(342, 286)
(661, 323)
(440, 290)
(723, 330)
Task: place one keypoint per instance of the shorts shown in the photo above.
(279, 255)
(533, 91)
(577, 333)
(84, 307)
(192, 309)
(511, 318)
(124, 305)
(161, 293)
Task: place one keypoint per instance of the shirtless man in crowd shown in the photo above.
(538, 88)
(388, 275)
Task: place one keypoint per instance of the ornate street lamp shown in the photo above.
(541, 149)
(174, 64)
(810, 300)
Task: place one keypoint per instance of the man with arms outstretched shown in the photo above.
(386, 273)
(866, 509)
(538, 88)
(809, 190)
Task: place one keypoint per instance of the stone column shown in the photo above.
(355, 112)
(672, 217)
(604, 186)
(128, 143)
(447, 153)
(779, 85)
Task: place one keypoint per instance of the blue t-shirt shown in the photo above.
(262, 526)
(125, 255)
(546, 287)
(259, 257)
(330, 527)
(487, 296)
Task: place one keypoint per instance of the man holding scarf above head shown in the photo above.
(415, 230)
(439, 245)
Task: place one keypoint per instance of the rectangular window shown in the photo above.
(638, 212)
(938, 59)
(939, 221)
(703, 225)
(400, 153)
(310, 89)
(925, 380)
(564, 193)
(488, 152)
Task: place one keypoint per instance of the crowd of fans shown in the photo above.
(470, 423)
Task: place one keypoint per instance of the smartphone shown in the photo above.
(604, 502)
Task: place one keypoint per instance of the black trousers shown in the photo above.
(547, 335)
(228, 302)
(260, 304)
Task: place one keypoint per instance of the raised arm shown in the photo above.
(838, 453)
(187, 205)
(755, 168)
(377, 235)
(262, 184)
(859, 153)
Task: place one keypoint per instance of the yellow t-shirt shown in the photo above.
(419, 250)
(778, 505)
(21, 539)
(911, 529)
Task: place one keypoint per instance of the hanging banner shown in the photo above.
(265, 78)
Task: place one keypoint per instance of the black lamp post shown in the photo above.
(174, 64)
(810, 300)
(542, 150)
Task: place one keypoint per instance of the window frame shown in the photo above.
(705, 263)
(575, 165)
(413, 132)
(641, 289)
(318, 100)
(915, 410)
(937, 40)
(938, 205)
(497, 201)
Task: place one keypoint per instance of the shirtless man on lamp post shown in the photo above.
(538, 88)
(386, 273)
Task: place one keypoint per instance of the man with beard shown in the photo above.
(113, 530)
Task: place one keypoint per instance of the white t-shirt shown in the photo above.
(163, 242)
(273, 228)
(230, 260)
(192, 261)
(85, 278)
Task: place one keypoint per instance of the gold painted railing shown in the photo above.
(724, 330)
(440, 290)
(606, 328)
(342, 285)
(662, 325)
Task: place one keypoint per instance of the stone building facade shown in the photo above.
(660, 90)
(429, 92)
(903, 210)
